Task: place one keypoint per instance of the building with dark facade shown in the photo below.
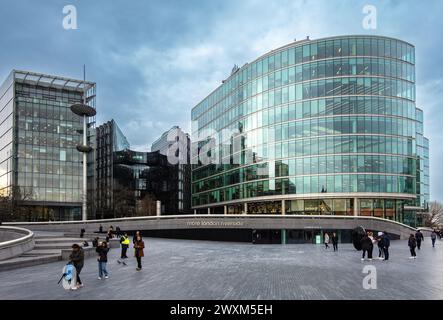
(40, 168)
(131, 183)
(317, 127)
(175, 145)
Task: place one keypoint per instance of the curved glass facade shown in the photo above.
(320, 126)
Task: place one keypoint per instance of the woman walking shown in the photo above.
(412, 243)
(102, 259)
(326, 241)
(139, 245)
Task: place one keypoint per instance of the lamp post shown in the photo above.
(85, 111)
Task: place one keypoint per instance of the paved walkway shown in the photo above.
(185, 269)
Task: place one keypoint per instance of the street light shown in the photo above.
(85, 111)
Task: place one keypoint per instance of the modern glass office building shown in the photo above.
(40, 168)
(326, 126)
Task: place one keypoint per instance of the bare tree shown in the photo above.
(147, 205)
(13, 206)
(435, 217)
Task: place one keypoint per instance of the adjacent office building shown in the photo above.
(175, 144)
(40, 169)
(317, 127)
(132, 183)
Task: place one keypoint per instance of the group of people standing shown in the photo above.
(368, 242)
(77, 255)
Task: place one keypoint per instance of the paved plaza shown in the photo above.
(187, 269)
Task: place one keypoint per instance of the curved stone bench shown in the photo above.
(15, 241)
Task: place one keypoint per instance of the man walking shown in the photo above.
(433, 238)
(419, 238)
(412, 243)
(335, 241)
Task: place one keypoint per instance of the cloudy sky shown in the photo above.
(154, 60)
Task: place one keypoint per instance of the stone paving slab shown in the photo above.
(187, 269)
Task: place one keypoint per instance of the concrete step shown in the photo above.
(86, 235)
(35, 253)
(62, 245)
(59, 240)
(27, 261)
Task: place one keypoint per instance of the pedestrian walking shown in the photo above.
(381, 254)
(412, 243)
(77, 258)
(433, 238)
(386, 244)
(419, 238)
(326, 241)
(102, 259)
(139, 245)
(366, 244)
(335, 241)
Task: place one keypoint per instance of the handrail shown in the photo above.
(29, 236)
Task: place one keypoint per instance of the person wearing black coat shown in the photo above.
(380, 245)
(386, 243)
(419, 238)
(77, 258)
(102, 259)
(335, 241)
(366, 246)
(412, 243)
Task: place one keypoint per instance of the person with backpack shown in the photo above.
(102, 259)
(419, 238)
(326, 241)
(77, 258)
(433, 238)
(412, 243)
(335, 241)
(139, 245)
